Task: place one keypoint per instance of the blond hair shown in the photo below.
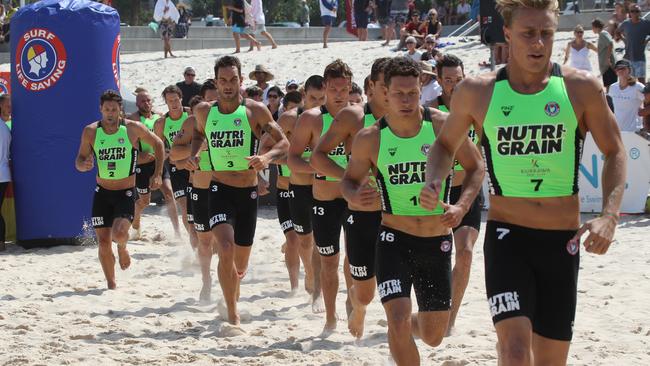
(578, 28)
(507, 7)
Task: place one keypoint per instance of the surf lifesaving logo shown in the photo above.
(116, 61)
(4, 86)
(40, 59)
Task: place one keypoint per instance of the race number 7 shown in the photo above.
(538, 182)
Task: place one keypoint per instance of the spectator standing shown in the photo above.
(5, 109)
(462, 12)
(620, 13)
(475, 13)
(385, 20)
(189, 87)
(444, 12)
(184, 21)
(5, 172)
(304, 14)
(238, 19)
(634, 31)
(167, 15)
(259, 19)
(627, 96)
(328, 17)
(644, 112)
(361, 8)
(577, 50)
(605, 51)
(410, 6)
(262, 76)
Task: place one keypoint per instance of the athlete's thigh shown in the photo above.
(464, 238)
(515, 332)
(550, 352)
(224, 233)
(121, 225)
(398, 309)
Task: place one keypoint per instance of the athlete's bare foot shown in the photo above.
(450, 330)
(135, 234)
(274, 46)
(111, 285)
(330, 325)
(124, 258)
(237, 51)
(259, 46)
(317, 304)
(356, 321)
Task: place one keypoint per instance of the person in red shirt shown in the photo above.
(411, 29)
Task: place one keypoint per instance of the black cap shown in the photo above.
(622, 63)
(646, 89)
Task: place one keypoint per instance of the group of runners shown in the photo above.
(402, 181)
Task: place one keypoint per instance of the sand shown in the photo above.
(54, 308)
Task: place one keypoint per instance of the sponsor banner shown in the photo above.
(637, 150)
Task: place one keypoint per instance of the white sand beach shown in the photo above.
(55, 310)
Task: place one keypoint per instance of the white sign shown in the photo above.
(637, 150)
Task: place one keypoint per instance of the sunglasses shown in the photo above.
(635, 11)
(272, 96)
(430, 42)
(580, 32)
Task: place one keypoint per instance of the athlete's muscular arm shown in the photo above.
(201, 112)
(300, 139)
(339, 131)
(354, 185)
(264, 122)
(159, 131)
(451, 137)
(182, 146)
(143, 133)
(85, 161)
(600, 121)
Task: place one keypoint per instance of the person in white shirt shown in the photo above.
(627, 97)
(328, 17)
(411, 49)
(5, 173)
(462, 11)
(430, 87)
(167, 15)
(259, 21)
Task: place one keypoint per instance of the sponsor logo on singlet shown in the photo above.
(221, 139)
(552, 109)
(389, 287)
(506, 109)
(112, 153)
(530, 139)
(504, 302)
(41, 59)
(337, 151)
(407, 172)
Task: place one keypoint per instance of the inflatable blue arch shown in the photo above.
(64, 54)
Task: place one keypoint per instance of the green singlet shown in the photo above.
(230, 139)
(368, 118)
(148, 122)
(531, 142)
(116, 157)
(205, 165)
(401, 165)
(337, 154)
(9, 124)
(173, 127)
(472, 134)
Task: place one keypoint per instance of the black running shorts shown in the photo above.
(109, 205)
(473, 217)
(236, 207)
(425, 263)
(327, 217)
(532, 273)
(201, 202)
(143, 174)
(284, 213)
(180, 180)
(301, 201)
(361, 228)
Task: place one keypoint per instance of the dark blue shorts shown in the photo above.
(327, 20)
